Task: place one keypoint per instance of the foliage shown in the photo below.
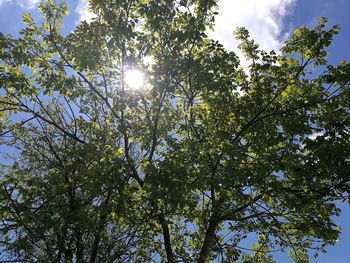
(205, 156)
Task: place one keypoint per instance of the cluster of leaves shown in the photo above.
(184, 170)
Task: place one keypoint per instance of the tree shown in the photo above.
(201, 158)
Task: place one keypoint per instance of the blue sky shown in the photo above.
(269, 21)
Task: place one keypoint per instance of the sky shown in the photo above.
(269, 22)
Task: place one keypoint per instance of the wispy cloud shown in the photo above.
(4, 1)
(82, 9)
(263, 18)
(25, 4)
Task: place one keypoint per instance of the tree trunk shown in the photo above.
(167, 241)
(208, 240)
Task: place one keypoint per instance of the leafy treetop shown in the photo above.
(183, 170)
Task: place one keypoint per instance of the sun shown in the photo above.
(134, 79)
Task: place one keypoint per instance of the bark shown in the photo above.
(166, 236)
(79, 246)
(208, 239)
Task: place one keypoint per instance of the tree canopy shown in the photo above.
(203, 158)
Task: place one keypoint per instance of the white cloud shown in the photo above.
(25, 4)
(315, 135)
(263, 19)
(29, 4)
(4, 1)
(83, 12)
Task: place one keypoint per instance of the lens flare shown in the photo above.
(134, 79)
